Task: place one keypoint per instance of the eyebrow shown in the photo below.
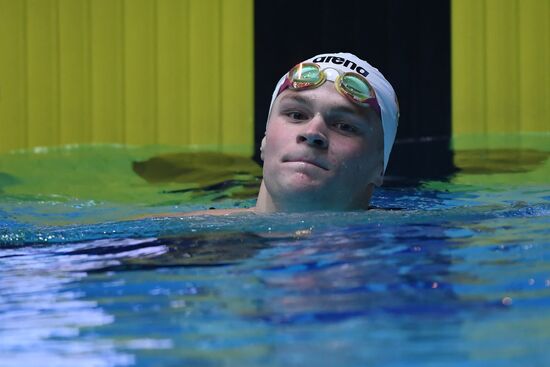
(306, 100)
(297, 98)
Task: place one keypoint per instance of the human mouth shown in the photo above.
(307, 161)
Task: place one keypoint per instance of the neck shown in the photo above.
(266, 203)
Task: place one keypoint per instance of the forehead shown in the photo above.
(324, 95)
(324, 98)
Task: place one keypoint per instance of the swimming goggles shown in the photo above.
(351, 85)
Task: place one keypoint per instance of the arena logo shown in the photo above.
(341, 61)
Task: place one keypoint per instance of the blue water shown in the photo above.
(452, 272)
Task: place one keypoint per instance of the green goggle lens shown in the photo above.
(351, 85)
(356, 87)
(309, 74)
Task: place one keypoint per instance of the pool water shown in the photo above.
(449, 272)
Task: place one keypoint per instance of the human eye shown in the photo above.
(296, 115)
(345, 128)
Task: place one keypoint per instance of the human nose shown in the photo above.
(313, 134)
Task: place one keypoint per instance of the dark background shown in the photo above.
(408, 41)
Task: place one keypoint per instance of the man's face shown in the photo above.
(322, 150)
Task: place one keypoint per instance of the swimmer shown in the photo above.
(330, 130)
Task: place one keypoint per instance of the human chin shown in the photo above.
(299, 188)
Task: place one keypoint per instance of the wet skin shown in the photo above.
(321, 152)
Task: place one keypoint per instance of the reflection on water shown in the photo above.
(275, 297)
(225, 175)
(490, 161)
(42, 313)
(460, 276)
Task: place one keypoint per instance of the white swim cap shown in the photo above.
(385, 95)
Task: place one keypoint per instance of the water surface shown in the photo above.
(449, 272)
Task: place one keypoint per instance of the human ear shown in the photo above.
(262, 146)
